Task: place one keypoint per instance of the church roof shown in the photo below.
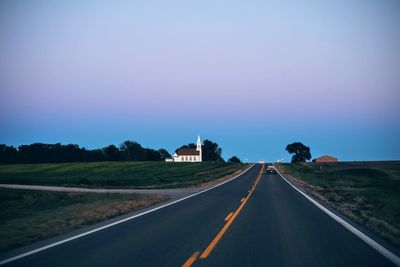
(188, 152)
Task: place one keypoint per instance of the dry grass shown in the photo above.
(27, 216)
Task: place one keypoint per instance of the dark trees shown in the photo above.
(300, 151)
(164, 153)
(211, 151)
(58, 153)
(8, 154)
(151, 155)
(112, 153)
(134, 151)
(49, 153)
(234, 159)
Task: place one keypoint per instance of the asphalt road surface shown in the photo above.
(254, 220)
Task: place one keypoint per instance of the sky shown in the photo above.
(252, 76)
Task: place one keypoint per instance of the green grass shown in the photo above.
(367, 192)
(27, 215)
(117, 174)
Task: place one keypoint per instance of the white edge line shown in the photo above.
(385, 252)
(117, 222)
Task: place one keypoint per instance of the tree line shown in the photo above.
(60, 153)
(64, 153)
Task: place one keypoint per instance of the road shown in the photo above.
(273, 225)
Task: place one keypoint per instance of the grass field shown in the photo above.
(367, 192)
(117, 174)
(27, 216)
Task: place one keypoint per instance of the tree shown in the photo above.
(49, 153)
(151, 155)
(112, 153)
(164, 153)
(132, 150)
(300, 151)
(95, 155)
(8, 154)
(234, 159)
(211, 151)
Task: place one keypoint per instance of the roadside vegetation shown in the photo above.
(118, 174)
(27, 216)
(367, 192)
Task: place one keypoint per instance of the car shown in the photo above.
(271, 169)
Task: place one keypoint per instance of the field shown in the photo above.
(27, 216)
(117, 174)
(367, 192)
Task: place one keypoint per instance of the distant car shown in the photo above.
(271, 169)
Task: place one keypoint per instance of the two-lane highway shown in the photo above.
(255, 220)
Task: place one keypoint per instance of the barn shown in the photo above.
(326, 158)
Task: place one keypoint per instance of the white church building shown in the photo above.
(187, 154)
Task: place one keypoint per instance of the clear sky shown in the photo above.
(252, 76)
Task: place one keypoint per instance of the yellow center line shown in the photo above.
(191, 260)
(221, 233)
(228, 216)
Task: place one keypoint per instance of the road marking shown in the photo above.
(242, 200)
(221, 233)
(117, 222)
(191, 260)
(228, 216)
(378, 247)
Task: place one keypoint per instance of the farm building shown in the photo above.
(326, 158)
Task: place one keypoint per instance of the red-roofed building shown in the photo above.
(326, 158)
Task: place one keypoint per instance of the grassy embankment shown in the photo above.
(367, 192)
(27, 215)
(117, 174)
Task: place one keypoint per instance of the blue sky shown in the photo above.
(252, 76)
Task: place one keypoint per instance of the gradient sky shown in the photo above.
(252, 76)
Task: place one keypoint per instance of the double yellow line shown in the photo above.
(229, 220)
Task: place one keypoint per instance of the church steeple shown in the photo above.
(198, 146)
